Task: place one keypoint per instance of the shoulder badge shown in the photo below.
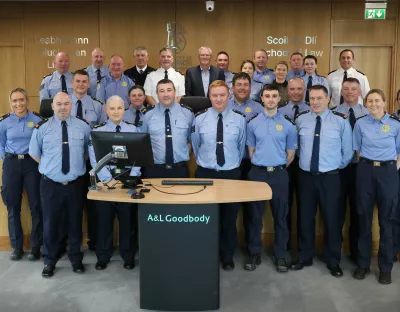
(333, 108)
(332, 71)
(37, 114)
(360, 72)
(237, 112)
(252, 118)
(201, 112)
(147, 109)
(291, 121)
(344, 116)
(47, 75)
(302, 113)
(41, 123)
(361, 116)
(82, 119)
(187, 107)
(97, 100)
(100, 125)
(395, 118)
(4, 116)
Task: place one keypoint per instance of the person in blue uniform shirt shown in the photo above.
(376, 140)
(256, 86)
(59, 144)
(97, 70)
(351, 107)
(296, 66)
(115, 83)
(133, 113)
(58, 81)
(20, 171)
(396, 220)
(262, 74)
(106, 210)
(310, 77)
(325, 147)
(218, 140)
(222, 62)
(272, 142)
(397, 107)
(168, 124)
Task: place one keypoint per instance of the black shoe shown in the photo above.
(299, 265)
(335, 270)
(77, 267)
(281, 265)
(16, 254)
(385, 278)
(129, 264)
(101, 265)
(34, 254)
(48, 270)
(228, 265)
(360, 273)
(252, 262)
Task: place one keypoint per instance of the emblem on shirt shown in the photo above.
(279, 127)
(266, 76)
(31, 124)
(98, 86)
(385, 128)
(248, 110)
(124, 84)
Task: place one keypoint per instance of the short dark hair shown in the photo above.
(136, 87)
(352, 80)
(269, 87)
(346, 50)
(222, 52)
(240, 75)
(165, 81)
(320, 87)
(296, 53)
(80, 72)
(310, 57)
(247, 61)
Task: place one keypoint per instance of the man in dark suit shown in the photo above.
(200, 77)
(138, 73)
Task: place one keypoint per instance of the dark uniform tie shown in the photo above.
(137, 118)
(63, 84)
(118, 128)
(314, 168)
(220, 142)
(352, 118)
(98, 75)
(79, 109)
(166, 74)
(309, 85)
(65, 148)
(344, 79)
(169, 152)
(140, 71)
(296, 111)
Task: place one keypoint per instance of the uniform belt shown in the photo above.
(377, 163)
(179, 164)
(217, 170)
(270, 168)
(62, 183)
(19, 156)
(336, 171)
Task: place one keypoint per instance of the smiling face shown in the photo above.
(281, 72)
(141, 58)
(166, 94)
(166, 59)
(346, 60)
(248, 69)
(80, 84)
(62, 105)
(219, 98)
(375, 104)
(116, 66)
(260, 60)
(115, 109)
(98, 58)
(296, 89)
(296, 62)
(222, 61)
(351, 91)
(270, 99)
(205, 57)
(61, 62)
(19, 104)
(137, 98)
(241, 89)
(319, 101)
(310, 66)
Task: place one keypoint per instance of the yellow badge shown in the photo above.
(279, 127)
(266, 76)
(31, 124)
(124, 84)
(98, 86)
(248, 110)
(385, 128)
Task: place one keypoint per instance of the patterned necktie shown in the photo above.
(140, 71)
(79, 109)
(344, 79)
(352, 118)
(98, 75)
(169, 152)
(137, 118)
(65, 148)
(63, 84)
(118, 128)
(220, 142)
(309, 85)
(296, 111)
(314, 168)
(166, 75)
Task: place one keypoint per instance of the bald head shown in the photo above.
(116, 66)
(296, 89)
(61, 62)
(62, 105)
(98, 58)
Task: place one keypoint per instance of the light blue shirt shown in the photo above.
(181, 118)
(289, 109)
(51, 85)
(130, 116)
(271, 137)
(16, 133)
(377, 139)
(46, 143)
(249, 108)
(315, 80)
(293, 74)
(255, 92)
(104, 174)
(92, 110)
(204, 138)
(92, 71)
(109, 86)
(335, 150)
(267, 76)
(228, 78)
(205, 77)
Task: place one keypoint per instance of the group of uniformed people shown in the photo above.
(302, 148)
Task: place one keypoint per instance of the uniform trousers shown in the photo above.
(227, 212)
(90, 205)
(293, 172)
(380, 185)
(245, 167)
(106, 212)
(396, 224)
(62, 209)
(17, 175)
(278, 180)
(322, 189)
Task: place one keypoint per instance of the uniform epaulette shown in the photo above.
(47, 75)
(129, 123)
(147, 109)
(288, 118)
(100, 125)
(360, 72)
(97, 100)
(201, 112)
(178, 72)
(395, 118)
(361, 116)
(344, 116)
(302, 113)
(127, 108)
(237, 112)
(257, 81)
(271, 69)
(37, 114)
(4, 116)
(252, 118)
(332, 71)
(187, 107)
(41, 123)
(333, 108)
(82, 119)
(320, 75)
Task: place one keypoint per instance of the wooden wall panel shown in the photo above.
(11, 9)
(11, 30)
(354, 10)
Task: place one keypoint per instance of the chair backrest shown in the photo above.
(45, 108)
(196, 103)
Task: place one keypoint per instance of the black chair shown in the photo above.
(196, 103)
(45, 108)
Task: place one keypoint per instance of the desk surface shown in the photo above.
(223, 191)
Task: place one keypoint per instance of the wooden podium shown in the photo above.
(179, 240)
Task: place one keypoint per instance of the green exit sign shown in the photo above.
(374, 14)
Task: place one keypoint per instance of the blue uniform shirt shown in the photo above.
(104, 174)
(92, 110)
(181, 118)
(46, 142)
(377, 139)
(271, 137)
(335, 150)
(109, 86)
(51, 85)
(255, 92)
(292, 74)
(228, 78)
(289, 109)
(92, 71)
(130, 116)
(204, 138)
(15, 133)
(249, 108)
(316, 80)
(267, 76)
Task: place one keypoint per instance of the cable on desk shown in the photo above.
(204, 187)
